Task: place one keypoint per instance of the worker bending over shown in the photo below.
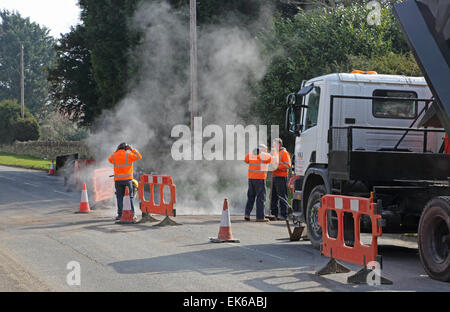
(123, 159)
(258, 162)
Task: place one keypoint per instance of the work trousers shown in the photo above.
(256, 191)
(279, 197)
(120, 192)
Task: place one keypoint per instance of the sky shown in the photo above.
(56, 15)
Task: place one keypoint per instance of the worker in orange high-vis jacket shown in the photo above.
(123, 159)
(280, 181)
(258, 166)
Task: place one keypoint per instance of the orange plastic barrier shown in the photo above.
(359, 253)
(149, 206)
(103, 184)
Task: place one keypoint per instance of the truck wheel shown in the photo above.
(434, 238)
(312, 216)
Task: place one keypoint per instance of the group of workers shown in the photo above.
(260, 163)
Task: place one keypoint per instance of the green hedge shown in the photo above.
(15, 128)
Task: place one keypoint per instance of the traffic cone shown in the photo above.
(52, 169)
(84, 203)
(127, 214)
(225, 235)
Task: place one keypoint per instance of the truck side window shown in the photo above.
(312, 112)
(394, 109)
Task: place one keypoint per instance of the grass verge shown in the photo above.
(24, 161)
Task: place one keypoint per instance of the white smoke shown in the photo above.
(158, 99)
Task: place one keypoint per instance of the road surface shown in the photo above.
(41, 234)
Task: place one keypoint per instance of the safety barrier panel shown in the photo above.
(359, 253)
(356, 252)
(103, 184)
(149, 206)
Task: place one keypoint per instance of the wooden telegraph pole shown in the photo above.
(22, 84)
(193, 40)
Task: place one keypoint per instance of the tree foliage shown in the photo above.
(92, 68)
(73, 88)
(13, 127)
(38, 54)
(323, 41)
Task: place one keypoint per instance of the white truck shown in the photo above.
(361, 133)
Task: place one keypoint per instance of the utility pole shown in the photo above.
(22, 84)
(193, 40)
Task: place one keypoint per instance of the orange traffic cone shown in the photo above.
(127, 214)
(84, 203)
(52, 169)
(225, 235)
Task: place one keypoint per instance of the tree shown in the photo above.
(73, 88)
(38, 54)
(13, 127)
(109, 40)
(322, 41)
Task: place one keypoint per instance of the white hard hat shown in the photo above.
(262, 146)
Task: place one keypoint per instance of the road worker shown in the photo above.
(123, 159)
(258, 162)
(279, 181)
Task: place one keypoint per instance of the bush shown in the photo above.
(56, 127)
(13, 127)
(26, 129)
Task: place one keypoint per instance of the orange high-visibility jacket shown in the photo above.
(258, 165)
(284, 164)
(123, 163)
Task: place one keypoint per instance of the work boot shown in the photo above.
(247, 218)
(262, 220)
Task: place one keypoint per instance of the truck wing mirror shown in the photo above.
(291, 99)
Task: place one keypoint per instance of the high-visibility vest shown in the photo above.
(123, 163)
(258, 165)
(284, 164)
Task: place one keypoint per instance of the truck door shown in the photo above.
(306, 143)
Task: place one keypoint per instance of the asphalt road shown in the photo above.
(40, 235)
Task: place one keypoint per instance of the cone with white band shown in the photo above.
(225, 235)
(127, 213)
(52, 169)
(84, 202)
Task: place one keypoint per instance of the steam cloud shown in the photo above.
(158, 99)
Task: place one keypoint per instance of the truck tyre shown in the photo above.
(434, 238)
(312, 215)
